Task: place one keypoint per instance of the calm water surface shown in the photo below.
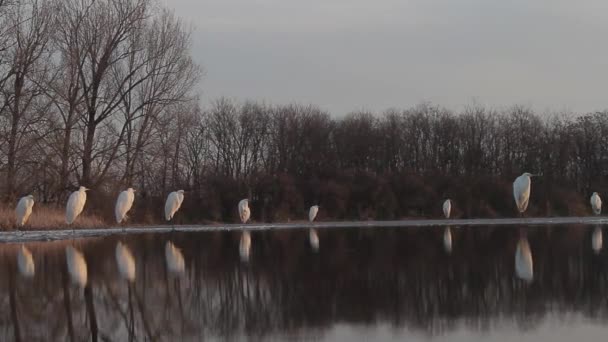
(496, 284)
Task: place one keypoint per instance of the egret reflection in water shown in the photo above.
(447, 240)
(313, 238)
(245, 246)
(174, 259)
(524, 268)
(125, 262)
(77, 266)
(596, 239)
(25, 262)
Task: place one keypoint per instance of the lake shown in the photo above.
(497, 283)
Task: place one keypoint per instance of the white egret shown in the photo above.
(77, 266)
(75, 204)
(125, 262)
(25, 262)
(447, 208)
(596, 240)
(523, 261)
(521, 191)
(447, 240)
(124, 204)
(596, 203)
(245, 246)
(313, 237)
(312, 213)
(24, 209)
(174, 259)
(174, 201)
(244, 211)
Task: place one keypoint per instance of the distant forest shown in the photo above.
(103, 94)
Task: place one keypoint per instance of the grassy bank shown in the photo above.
(47, 218)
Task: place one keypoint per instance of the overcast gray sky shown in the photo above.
(345, 55)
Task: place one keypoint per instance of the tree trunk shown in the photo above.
(87, 156)
(88, 298)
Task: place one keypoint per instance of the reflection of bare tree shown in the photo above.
(13, 302)
(88, 297)
(365, 276)
(66, 301)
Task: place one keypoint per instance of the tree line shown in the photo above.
(103, 94)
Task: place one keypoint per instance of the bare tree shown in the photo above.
(30, 23)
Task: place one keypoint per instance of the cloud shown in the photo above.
(345, 55)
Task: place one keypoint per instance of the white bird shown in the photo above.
(75, 204)
(521, 191)
(174, 201)
(244, 211)
(25, 262)
(24, 209)
(596, 240)
(313, 237)
(523, 261)
(447, 208)
(447, 240)
(125, 262)
(245, 246)
(312, 213)
(77, 266)
(174, 259)
(596, 203)
(124, 204)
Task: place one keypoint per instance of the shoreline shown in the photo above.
(66, 234)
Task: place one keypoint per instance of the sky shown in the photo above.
(347, 55)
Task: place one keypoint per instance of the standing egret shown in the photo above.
(245, 246)
(125, 262)
(596, 203)
(24, 209)
(313, 237)
(174, 201)
(596, 240)
(77, 266)
(124, 204)
(521, 191)
(447, 240)
(244, 211)
(75, 204)
(312, 213)
(174, 259)
(523, 261)
(25, 262)
(447, 208)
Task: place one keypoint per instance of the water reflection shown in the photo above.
(313, 238)
(77, 266)
(25, 262)
(174, 259)
(364, 278)
(596, 240)
(524, 267)
(245, 246)
(125, 262)
(447, 240)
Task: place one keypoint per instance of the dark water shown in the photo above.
(363, 284)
